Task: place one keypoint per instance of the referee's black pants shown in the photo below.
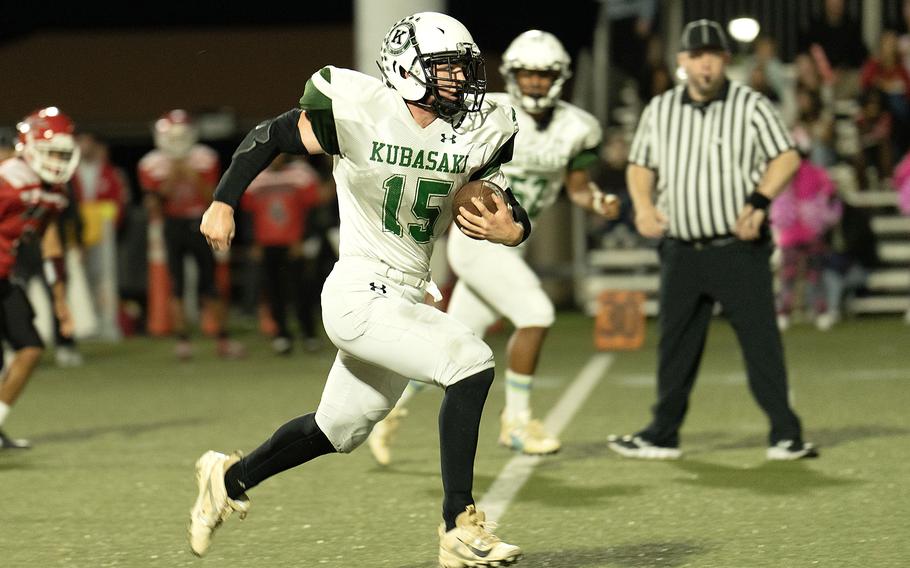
(738, 276)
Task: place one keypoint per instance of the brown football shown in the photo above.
(480, 188)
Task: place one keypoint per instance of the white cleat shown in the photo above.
(471, 543)
(383, 434)
(526, 436)
(212, 506)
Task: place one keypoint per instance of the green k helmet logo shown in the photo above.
(399, 39)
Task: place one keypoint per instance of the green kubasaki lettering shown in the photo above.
(432, 160)
(377, 146)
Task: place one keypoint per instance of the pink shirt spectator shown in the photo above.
(806, 209)
(901, 182)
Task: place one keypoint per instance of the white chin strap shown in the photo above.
(535, 105)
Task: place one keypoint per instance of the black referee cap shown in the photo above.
(704, 34)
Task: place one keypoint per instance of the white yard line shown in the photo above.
(514, 475)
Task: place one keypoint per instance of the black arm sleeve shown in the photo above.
(261, 145)
(519, 214)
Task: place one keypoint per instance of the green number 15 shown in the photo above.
(427, 214)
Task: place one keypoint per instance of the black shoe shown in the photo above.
(788, 450)
(636, 447)
(7, 443)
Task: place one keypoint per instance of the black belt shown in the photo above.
(711, 242)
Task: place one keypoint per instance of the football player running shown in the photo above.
(32, 194)
(557, 143)
(401, 147)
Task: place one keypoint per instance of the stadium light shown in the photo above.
(743, 30)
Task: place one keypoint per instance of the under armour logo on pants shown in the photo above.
(377, 287)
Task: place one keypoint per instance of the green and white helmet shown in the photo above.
(535, 50)
(417, 47)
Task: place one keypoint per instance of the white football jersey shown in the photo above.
(395, 180)
(541, 158)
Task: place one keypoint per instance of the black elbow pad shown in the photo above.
(257, 150)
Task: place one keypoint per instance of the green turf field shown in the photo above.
(111, 478)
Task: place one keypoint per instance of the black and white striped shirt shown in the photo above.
(707, 157)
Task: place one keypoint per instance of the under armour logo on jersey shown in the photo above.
(377, 287)
(451, 138)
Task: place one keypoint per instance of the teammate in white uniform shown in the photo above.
(401, 147)
(556, 144)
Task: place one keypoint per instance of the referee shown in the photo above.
(717, 154)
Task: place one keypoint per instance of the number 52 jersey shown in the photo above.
(395, 180)
(568, 141)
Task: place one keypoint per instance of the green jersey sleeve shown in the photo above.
(502, 155)
(317, 103)
(590, 139)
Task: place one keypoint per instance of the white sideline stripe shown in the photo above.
(515, 473)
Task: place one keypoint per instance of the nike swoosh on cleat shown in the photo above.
(477, 552)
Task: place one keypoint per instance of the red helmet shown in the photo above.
(175, 133)
(47, 145)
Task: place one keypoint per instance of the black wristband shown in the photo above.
(519, 215)
(758, 200)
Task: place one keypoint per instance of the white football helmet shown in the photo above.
(535, 50)
(415, 52)
(175, 134)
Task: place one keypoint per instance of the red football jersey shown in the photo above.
(279, 201)
(184, 200)
(26, 207)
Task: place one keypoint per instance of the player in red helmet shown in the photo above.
(179, 176)
(31, 195)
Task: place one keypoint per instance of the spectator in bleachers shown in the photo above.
(853, 251)
(655, 76)
(885, 72)
(837, 39)
(874, 124)
(280, 199)
(901, 182)
(809, 77)
(758, 80)
(101, 193)
(766, 57)
(800, 217)
(766, 74)
(610, 176)
(814, 127)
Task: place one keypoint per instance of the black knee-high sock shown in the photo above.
(459, 423)
(296, 442)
